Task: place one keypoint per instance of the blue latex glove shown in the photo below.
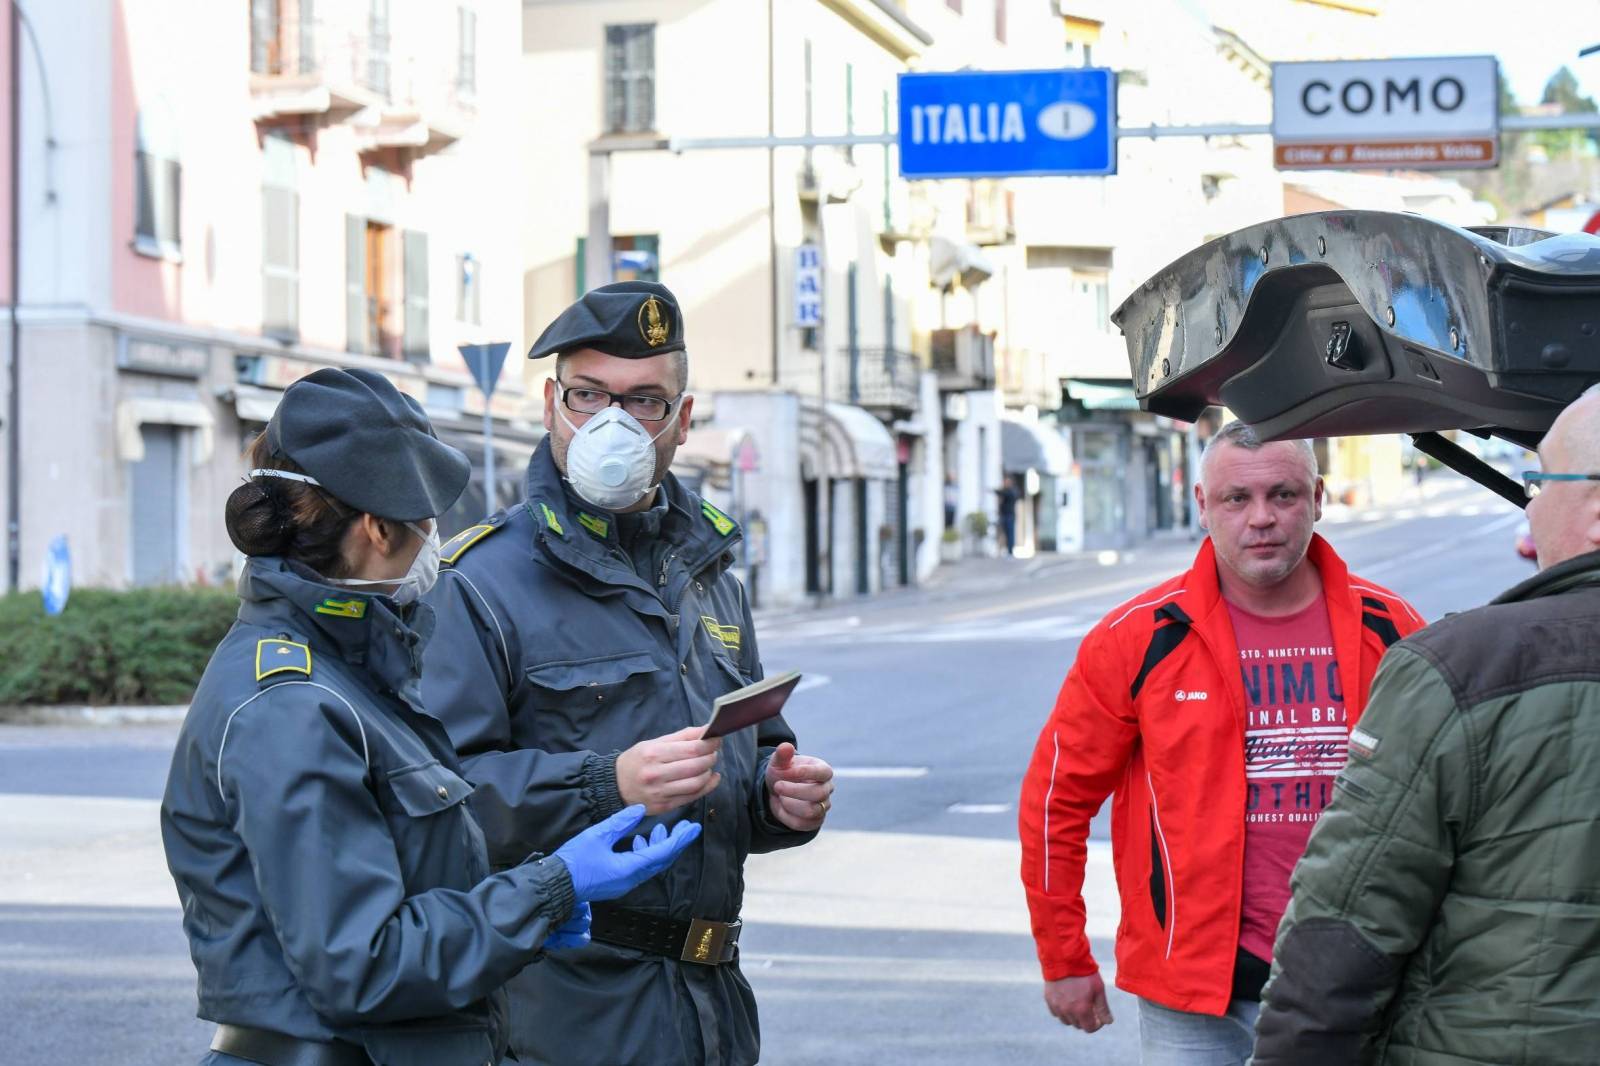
(599, 872)
(572, 933)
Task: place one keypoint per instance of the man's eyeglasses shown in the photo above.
(586, 401)
(1533, 480)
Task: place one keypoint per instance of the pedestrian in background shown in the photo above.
(1447, 909)
(583, 636)
(1214, 709)
(1008, 494)
(335, 886)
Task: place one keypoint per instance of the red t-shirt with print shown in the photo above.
(1295, 739)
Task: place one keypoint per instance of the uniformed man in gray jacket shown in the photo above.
(583, 635)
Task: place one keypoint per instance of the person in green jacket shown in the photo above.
(1447, 908)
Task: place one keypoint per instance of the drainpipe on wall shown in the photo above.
(772, 197)
(14, 404)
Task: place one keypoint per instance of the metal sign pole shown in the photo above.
(489, 502)
(485, 361)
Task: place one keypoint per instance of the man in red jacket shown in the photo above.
(1215, 710)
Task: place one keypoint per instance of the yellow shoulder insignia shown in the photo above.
(719, 521)
(456, 546)
(552, 521)
(277, 656)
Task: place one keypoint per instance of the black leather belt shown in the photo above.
(279, 1049)
(697, 940)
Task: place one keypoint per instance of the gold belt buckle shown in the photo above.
(704, 942)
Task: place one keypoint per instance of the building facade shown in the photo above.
(217, 198)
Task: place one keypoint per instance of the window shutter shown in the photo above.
(308, 37)
(145, 196)
(415, 340)
(355, 283)
(616, 86)
(467, 65)
(642, 83)
(264, 36)
(168, 214)
(280, 265)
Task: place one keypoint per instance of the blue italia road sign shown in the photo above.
(1014, 123)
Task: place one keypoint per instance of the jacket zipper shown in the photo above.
(1166, 856)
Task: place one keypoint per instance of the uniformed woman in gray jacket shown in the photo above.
(336, 891)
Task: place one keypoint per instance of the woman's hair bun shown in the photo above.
(259, 520)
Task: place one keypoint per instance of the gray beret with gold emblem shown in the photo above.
(630, 320)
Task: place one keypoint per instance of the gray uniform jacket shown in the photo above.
(552, 655)
(334, 883)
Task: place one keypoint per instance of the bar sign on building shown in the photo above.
(808, 286)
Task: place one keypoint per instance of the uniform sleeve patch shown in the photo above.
(598, 526)
(457, 545)
(343, 608)
(275, 656)
(719, 521)
(1363, 743)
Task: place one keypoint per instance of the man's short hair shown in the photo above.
(1242, 435)
(680, 367)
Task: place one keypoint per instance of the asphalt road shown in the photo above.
(899, 936)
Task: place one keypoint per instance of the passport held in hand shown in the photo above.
(751, 704)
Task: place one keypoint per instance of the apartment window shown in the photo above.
(282, 36)
(1000, 21)
(372, 312)
(469, 287)
(467, 52)
(631, 78)
(1082, 35)
(158, 182)
(280, 240)
(634, 257)
(1092, 301)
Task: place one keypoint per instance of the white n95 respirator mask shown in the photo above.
(611, 461)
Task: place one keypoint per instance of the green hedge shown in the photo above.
(141, 646)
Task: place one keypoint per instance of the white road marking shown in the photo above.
(1433, 551)
(978, 808)
(880, 771)
(811, 681)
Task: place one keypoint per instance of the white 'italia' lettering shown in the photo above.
(976, 124)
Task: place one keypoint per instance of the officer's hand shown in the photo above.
(799, 789)
(668, 772)
(572, 933)
(1079, 1001)
(600, 872)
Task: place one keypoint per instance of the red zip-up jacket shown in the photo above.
(1152, 714)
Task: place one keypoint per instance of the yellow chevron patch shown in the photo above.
(343, 608)
(727, 636)
(719, 521)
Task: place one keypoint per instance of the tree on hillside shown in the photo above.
(1562, 89)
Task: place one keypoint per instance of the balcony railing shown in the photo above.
(879, 378)
(325, 68)
(311, 67)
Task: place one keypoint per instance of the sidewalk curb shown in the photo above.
(68, 714)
